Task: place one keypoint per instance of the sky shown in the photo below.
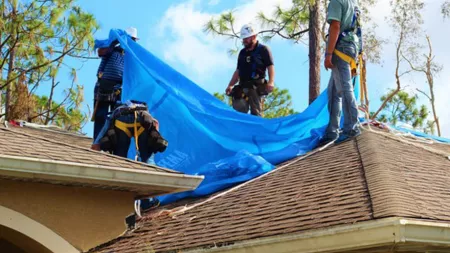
(173, 31)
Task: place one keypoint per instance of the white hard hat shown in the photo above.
(247, 31)
(132, 32)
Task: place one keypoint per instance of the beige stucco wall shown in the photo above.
(85, 217)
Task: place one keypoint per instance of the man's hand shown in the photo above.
(156, 124)
(270, 86)
(103, 51)
(228, 90)
(328, 64)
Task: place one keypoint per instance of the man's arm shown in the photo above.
(333, 36)
(104, 51)
(268, 61)
(233, 81)
(334, 17)
(270, 84)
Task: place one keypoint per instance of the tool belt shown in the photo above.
(107, 91)
(156, 142)
(143, 122)
(241, 90)
(126, 110)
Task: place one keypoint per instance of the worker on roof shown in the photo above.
(127, 121)
(342, 50)
(108, 88)
(253, 60)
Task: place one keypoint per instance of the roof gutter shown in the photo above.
(121, 178)
(363, 235)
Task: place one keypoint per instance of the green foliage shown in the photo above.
(36, 38)
(277, 104)
(223, 97)
(445, 9)
(403, 108)
(67, 114)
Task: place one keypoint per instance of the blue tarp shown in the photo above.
(207, 137)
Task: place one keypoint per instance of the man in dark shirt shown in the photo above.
(253, 61)
(109, 83)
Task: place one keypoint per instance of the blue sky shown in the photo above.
(172, 30)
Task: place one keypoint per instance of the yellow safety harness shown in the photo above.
(138, 129)
(348, 59)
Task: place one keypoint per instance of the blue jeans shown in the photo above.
(341, 95)
(123, 141)
(103, 108)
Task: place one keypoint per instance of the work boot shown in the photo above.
(329, 138)
(348, 135)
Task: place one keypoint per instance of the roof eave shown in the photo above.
(363, 235)
(144, 183)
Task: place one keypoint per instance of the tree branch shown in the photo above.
(405, 73)
(53, 109)
(41, 65)
(299, 33)
(4, 42)
(411, 65)
(425, 94)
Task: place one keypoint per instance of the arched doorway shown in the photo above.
(20, 234)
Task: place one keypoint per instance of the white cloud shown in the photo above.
(204, 54)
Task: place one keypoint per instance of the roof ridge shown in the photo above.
(85, 149)
(59, 131)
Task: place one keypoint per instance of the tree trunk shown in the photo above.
(9, 86)
(430, 78)
(314, 50)
(1, 72)
(12, 56)
(397, 74)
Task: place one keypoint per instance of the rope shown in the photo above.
(137, 208)
(136, 135)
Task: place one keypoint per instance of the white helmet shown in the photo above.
(247, 31)
(131, 31)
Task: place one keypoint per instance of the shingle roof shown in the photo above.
(373, 176)
(406, 180)
(57, 135)
(15, 142)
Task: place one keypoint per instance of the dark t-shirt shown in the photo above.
(261, 55)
